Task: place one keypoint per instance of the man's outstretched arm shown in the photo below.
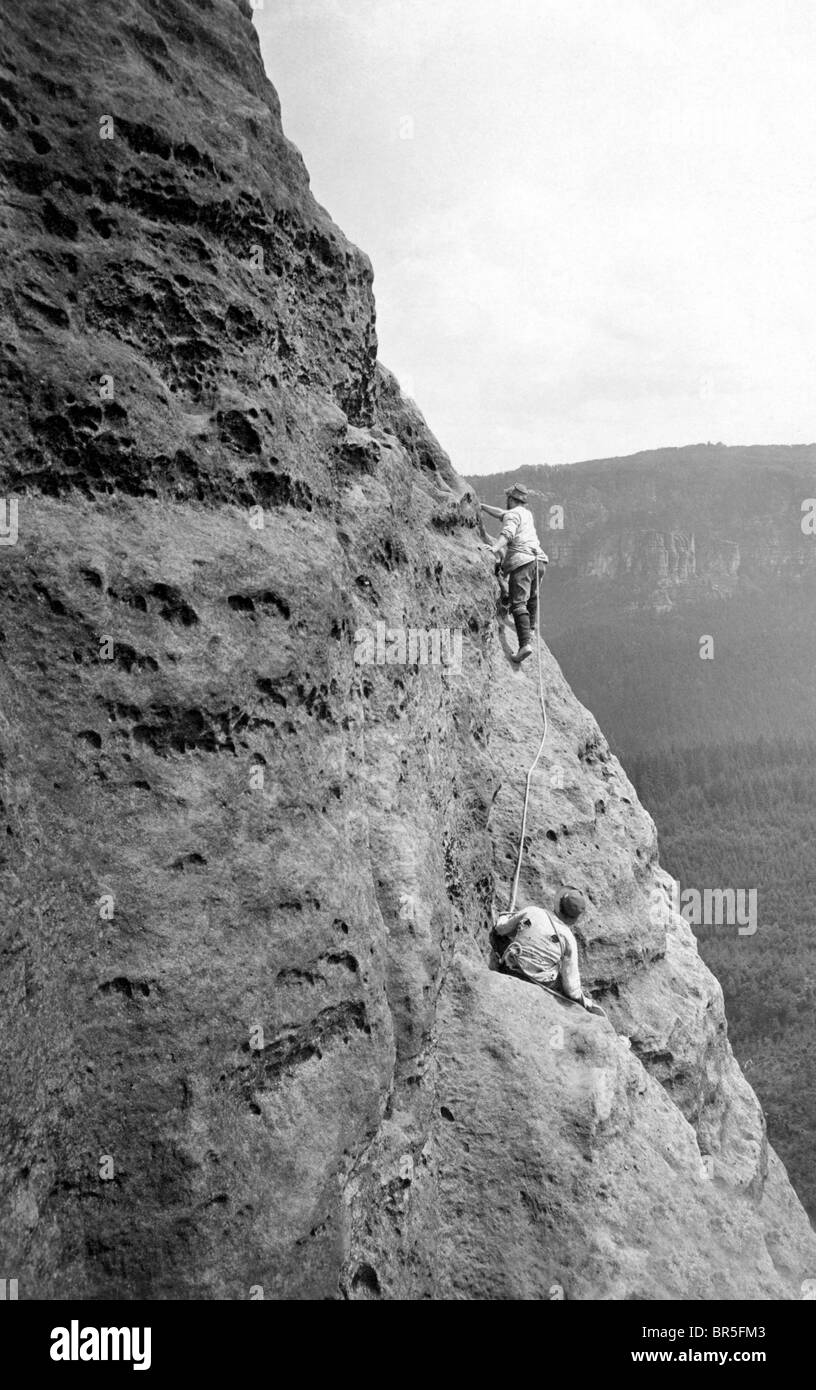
(492, 511)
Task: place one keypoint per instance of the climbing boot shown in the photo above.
(522, 622)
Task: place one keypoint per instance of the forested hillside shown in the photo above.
(742, 815)
(652, 682)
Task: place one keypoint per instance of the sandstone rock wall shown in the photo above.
(250, 1033)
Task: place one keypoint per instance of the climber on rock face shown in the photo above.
(543, 949)
(518, 552)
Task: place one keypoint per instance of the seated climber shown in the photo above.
(543, 949)
(517, 553)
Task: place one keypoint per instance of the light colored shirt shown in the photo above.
(518, 529)
(542, 949)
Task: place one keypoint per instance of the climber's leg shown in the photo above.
(520, 581)
(532, 602)
(522, 622)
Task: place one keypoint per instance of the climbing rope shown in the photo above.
(534, 763)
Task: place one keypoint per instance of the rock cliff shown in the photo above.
(251, 1039)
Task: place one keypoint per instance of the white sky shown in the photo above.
(601, 235)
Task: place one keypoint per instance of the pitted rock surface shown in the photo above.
(248, 879)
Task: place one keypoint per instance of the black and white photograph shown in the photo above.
(407, 671)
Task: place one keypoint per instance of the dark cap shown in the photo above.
(571, 903)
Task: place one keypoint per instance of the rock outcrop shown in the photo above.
(251, 1035)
